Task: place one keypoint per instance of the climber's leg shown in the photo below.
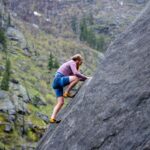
(58, 85)
(73, 81)
(58, 106)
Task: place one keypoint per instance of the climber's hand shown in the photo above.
(89, 77)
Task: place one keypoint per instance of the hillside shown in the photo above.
(111, 112)
(56, 16)
(104, 19)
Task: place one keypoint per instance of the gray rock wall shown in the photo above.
(112, 111)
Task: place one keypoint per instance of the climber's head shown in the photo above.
(78, 59)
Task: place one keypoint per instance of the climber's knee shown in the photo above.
(73, 78)
(60, 100)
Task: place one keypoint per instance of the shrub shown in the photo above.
(52, 62)
(6, 76)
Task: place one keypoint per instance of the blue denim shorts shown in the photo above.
(59, 82)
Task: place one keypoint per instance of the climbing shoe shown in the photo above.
(66, 94)
(54, 120)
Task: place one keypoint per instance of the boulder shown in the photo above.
(5, 102)
(11, 118)
(20, 105)
(8, 128)
(3, 94)
(12, 112)
(24, 93)
(112, 110)
(20, 91)
(16, 35)
(2, 68)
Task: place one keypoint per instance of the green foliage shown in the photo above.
(6, 76)
(2, 118)
(83, 30)
(88, 35)
(90, 19)
(2, 146)
(35, 100)
(5, 82)
(8, 66)
(100, 43)
(91, 38)
(52, 62)
(35, 120)
(32, 136)
(3, 39)
(74, 24)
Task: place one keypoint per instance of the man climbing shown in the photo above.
(67, 74)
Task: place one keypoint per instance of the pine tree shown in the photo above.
(91, 39)
(83, 30)
(8, 66)
(74, 24)
(87, 34)
(3, 39)
(6, 76)
(50, 62)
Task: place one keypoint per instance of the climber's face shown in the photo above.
(79, 62)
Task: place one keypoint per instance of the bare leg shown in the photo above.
(57, 107)
(73, 81)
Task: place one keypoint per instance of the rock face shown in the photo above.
(16, 35)
(5, 102)
(111, 112)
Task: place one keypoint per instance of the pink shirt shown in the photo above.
(69, 68)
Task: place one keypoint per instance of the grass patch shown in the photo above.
(35, 120)
(47, 110)
(31, 136)
(32, 108)
(2, 118)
